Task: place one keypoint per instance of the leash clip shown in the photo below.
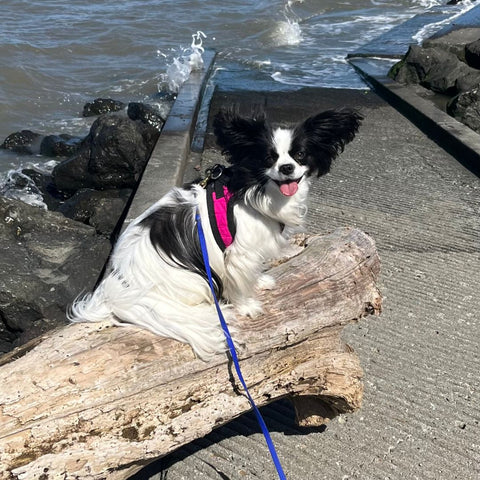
(212, 174)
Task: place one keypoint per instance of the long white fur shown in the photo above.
(143, 289)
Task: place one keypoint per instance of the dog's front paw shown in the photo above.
(250, 308)
(266, 282)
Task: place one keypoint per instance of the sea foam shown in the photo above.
(16, 184)
(286, 32)
(179, 70)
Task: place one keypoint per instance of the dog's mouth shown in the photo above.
(288, 187)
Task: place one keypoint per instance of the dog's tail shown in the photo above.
(91, 307)
(121, 304)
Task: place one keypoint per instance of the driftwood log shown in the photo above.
(96, 402)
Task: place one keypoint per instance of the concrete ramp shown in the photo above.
(403, 181)
(421, 412)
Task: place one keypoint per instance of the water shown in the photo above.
(55, 55)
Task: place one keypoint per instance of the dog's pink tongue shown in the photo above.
(289, 188)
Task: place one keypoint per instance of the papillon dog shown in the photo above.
(156, 277)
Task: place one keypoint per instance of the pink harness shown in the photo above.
(220, 208)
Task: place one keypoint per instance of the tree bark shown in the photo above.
(91, 401)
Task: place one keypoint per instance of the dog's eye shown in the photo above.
(299, 156)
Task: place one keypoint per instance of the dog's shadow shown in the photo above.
(279, 417)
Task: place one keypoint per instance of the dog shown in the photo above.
(156, 277)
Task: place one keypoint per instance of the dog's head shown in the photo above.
(261, 154)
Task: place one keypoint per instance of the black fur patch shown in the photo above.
(322, 137)
(174, 233)
(247, 144)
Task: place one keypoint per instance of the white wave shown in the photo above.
(286, 32)
(45, 167)
(17, 185)
(429, 3)
(290, 3)
(429, 29)
(259, 63)
(195, 59)
(179, 70)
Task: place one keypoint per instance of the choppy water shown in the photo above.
(55, 55)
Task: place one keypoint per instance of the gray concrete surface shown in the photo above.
(421, 411)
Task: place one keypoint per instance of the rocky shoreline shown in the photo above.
(51, 256)
(449, 68)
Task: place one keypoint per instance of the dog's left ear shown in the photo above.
(325, 136)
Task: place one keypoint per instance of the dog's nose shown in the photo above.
(287, 168)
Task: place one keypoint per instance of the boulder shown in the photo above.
(72, 174)
(454, 41)
(46, 261)
(24, 142)
(59, 145)
(465, 108)
(113, 155)
(435, 69)
(472, 54)
(147, 114)
(119, 150)
(100, 106)
(100, 209)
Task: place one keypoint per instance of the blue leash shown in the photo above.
(233, 352)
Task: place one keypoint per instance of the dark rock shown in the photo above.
(72, 174)
(435, 69)
(100, 209)
(465, 108)
(417, 64)
(80, 205)
(59, 145)
(108, 211)
(25, 142)
(102, 105)
(46, 261)
(113, 155)
(468, 80)
(454, 41)
(472, 54)
(146, 114)
(120, 149)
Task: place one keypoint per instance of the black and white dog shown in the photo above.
(157, 279)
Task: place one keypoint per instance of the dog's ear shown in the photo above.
(236, 135)
(325, 135)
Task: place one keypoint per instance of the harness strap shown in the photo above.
(220, 209)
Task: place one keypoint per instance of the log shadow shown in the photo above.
(279, 417)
